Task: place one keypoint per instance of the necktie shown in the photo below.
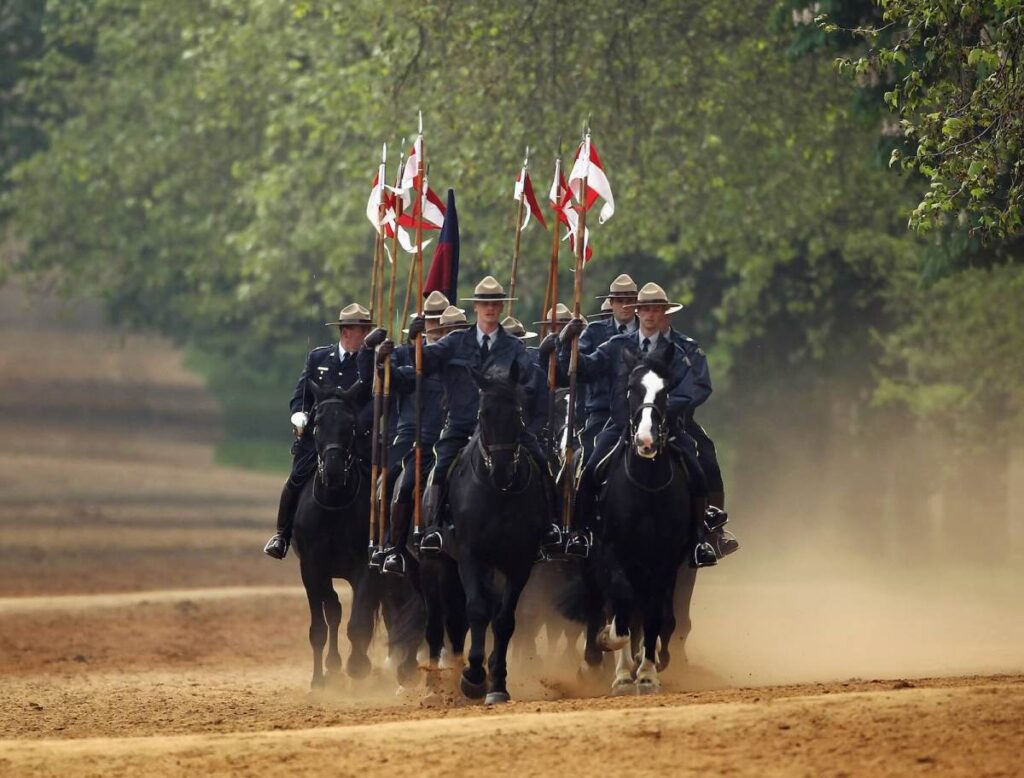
(485, 348)
(645, 345)
(622, 329)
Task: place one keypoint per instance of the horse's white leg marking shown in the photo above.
(647, 675)
(624, 666)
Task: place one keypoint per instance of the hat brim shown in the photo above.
(600, 315)
(526, 335)
(616, 295)
(669, 307)
(487, 299)
(427, 315)
(356, 323)
(462, 325)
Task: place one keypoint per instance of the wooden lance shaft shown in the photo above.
(386, 409)
(550, 301)
(570, 422)
(417, 500)
(375, 433)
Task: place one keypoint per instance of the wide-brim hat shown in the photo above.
(652, 294)
(452, 319)
(563, 315)
(513, 326)
(606, 311)
(435, 304)
(489, 291)
(353, 315)
(623, 286)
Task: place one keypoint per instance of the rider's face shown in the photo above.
(488, 314)
(652, 318)
(352, 337)
(622, 314)
(432, 331)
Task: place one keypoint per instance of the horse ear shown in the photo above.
(353, 394)
(629, 359)
(665, 352)
(317, 391)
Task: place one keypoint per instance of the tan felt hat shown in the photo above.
(489, 291)
(623, 286)
(652, 294)
(562, 315)
(513, 326)
(605, 312)
(353, 315)
(452, 319)
(434, 305)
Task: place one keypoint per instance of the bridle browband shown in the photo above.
(488, 449)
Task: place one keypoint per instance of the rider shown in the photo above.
(402, 389)
(333, 365)
(537, 413)
(606, 363)
(454, 357)
(620, 298)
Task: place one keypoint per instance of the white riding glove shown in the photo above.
(299, 420)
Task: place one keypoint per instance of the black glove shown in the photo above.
(416, 327)
(375, 338)
(385, 351)
(571, 330)
(547, 346)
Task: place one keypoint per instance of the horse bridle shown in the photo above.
(486, 451)
(348, 446)
(657, 417)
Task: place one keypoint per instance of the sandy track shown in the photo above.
(142, 632)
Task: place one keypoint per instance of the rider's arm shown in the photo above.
(437, 354)
(589, 366)
(300, 397)
(701, 375)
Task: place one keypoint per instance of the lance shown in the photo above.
(550, 301)
(418, 448)
(376, 314)
(570, 415)
(386, 401)
(521, 191)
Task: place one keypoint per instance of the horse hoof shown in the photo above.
(622, 689)
(606, 642)
(647, 687)
(358, 667)
(497, 698)
(474, 691)
(317, 684)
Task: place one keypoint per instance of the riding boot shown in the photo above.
(703, 552)
(277, 546)
(433, 541)
(551, 542)
(581, 539)
(395, 561)
(715, 518)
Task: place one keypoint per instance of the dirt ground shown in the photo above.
(142, 632)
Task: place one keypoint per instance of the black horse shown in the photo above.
(499, 511)
(331, 536)
(645, 530)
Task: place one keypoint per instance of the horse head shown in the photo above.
(500, 422)
(647, 393)
(334, 430)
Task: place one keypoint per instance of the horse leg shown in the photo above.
(616, 634)
(647, 681)
(668, 627)
(681, 598)
(475, 581)
(503, 625)
(332, 614)
(365, 602)
(317, 623)
(456, 619)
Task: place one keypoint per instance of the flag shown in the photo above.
(561, 202)
(431, 208)
(376, 196)
(444, 267)
(524, 187)
(588, 165)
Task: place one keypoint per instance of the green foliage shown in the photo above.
(957, 86)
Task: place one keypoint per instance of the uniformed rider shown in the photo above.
(333, 365)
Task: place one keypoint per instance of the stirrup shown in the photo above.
(715, 518)
(277, 547)
(378, 556)
(725, 543)
(579, 543)
(432, 544)
(417, 538)
(394, 564)
(704, 555)
(553, 541)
